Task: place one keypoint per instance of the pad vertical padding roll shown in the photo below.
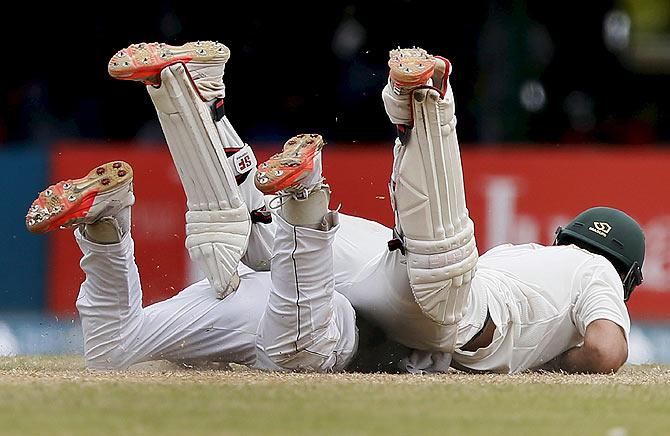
(218, 222)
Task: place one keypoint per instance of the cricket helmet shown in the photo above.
(612, 234)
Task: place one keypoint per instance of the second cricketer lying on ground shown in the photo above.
(514, 308)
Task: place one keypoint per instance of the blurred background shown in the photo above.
(560, 106)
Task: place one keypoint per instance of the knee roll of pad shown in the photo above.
(216, 241)
(440, 273)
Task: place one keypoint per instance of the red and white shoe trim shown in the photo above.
(143, 62)
(293, 167)
(75, 201)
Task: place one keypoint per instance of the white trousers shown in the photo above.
(192, 325)
(303, 323)
(307, 326)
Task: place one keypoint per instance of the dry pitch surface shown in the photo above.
(57, 395)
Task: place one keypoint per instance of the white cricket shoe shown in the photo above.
(296, 171)
(412, 68)
(143, 62)
(103, 192)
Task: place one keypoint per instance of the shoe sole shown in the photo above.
(68, 202)
(144, 61)
(410, 67)
(286, 169)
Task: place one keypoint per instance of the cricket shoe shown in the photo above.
(103, 192)
(412, 68)
(144, 62)
(296, 171)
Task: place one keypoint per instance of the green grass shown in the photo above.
(58, 396)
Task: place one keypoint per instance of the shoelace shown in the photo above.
(298, 194)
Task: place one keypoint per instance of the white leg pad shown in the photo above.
(194, 143)
(428, 197)
(218, 223)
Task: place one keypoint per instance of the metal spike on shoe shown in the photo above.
(143, 62)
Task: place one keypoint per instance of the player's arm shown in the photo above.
(604, 350)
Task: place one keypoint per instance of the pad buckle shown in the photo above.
(218, 111)
(396, 243)
(403, 133)
(261, 215)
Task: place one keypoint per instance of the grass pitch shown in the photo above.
(58, 396)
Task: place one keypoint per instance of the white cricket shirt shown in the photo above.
(541, 299)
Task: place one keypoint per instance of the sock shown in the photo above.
(208, 79)
(110, 229)
(309, 212)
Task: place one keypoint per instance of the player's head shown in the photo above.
(612, 234)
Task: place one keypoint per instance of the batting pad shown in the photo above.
(428, 197)
(218, 222)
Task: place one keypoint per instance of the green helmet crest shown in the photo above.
(612, 234)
